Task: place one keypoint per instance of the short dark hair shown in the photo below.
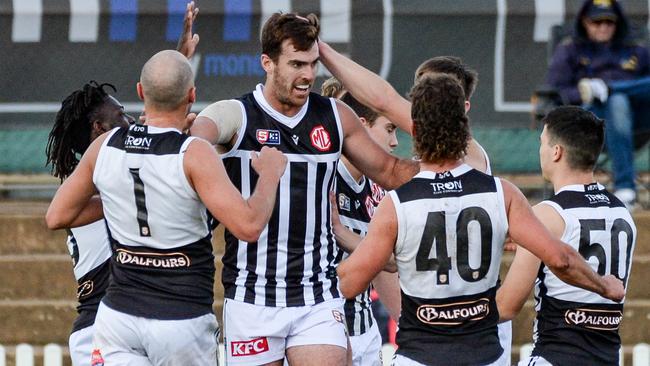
(440, 125)
(451, 65)
(580, 132)
(302, 31)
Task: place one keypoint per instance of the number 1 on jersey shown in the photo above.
(138, 189)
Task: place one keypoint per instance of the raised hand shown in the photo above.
(187, 42)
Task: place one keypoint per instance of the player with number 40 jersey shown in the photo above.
(446, 228)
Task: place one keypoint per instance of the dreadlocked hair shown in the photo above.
(70, 135)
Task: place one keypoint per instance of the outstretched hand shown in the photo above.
(187, 42)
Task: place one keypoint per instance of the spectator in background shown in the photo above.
(602, 67)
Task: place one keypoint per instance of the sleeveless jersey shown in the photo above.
(451, 230)
(162, 265)
(356, 205)
(576, 326)
(293, 262)
(90, 251)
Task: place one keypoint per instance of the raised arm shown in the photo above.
(73, 204)
(564, 261)
(245, 218)
(385, 169)
(372, 254)
(187, 42)
(367, 87)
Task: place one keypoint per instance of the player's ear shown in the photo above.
(558, 152)
(364, 121)
(267, 62)
(191, 95)
(138, 87)
(468, 105)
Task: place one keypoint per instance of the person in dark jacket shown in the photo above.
(605, 69)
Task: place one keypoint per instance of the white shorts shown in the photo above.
(256, 334)
(505, 338)
(81, 344)
(366, 348)
(123, 339)
(399, 360)
(534, 361)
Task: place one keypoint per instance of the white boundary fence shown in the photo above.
(53, 354)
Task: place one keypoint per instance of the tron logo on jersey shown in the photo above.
(85, 289)
(249, 348)
(269, 137)
(155, 260)
(141, 143)
(594, 319)
(344, 202)
(597, 198)
(96, 358)
(447, 187)
(320, 138)
(454, 314)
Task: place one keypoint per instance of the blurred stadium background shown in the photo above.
(49, 48)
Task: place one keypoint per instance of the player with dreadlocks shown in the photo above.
(84, 115)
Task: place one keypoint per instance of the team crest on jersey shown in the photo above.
(370, 206)
(378, 193)
(454, 314)
(96, 358)
(344, 202)
(320, 138)
(594, 319)
(268, 137)
(85, 289)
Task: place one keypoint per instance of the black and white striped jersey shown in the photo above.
(451, 230)
(90, 251)
(162, 265)
(356, 205)
(576, 326)
(293, 262)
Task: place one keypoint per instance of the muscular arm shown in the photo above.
(564, 261)
(244, 218)
(385, 169)
(373, 91)
(219, 122)
(73, 204)
(372, 254)
(367, 87)
(521, 276)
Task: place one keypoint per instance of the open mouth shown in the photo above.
(302, 89)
